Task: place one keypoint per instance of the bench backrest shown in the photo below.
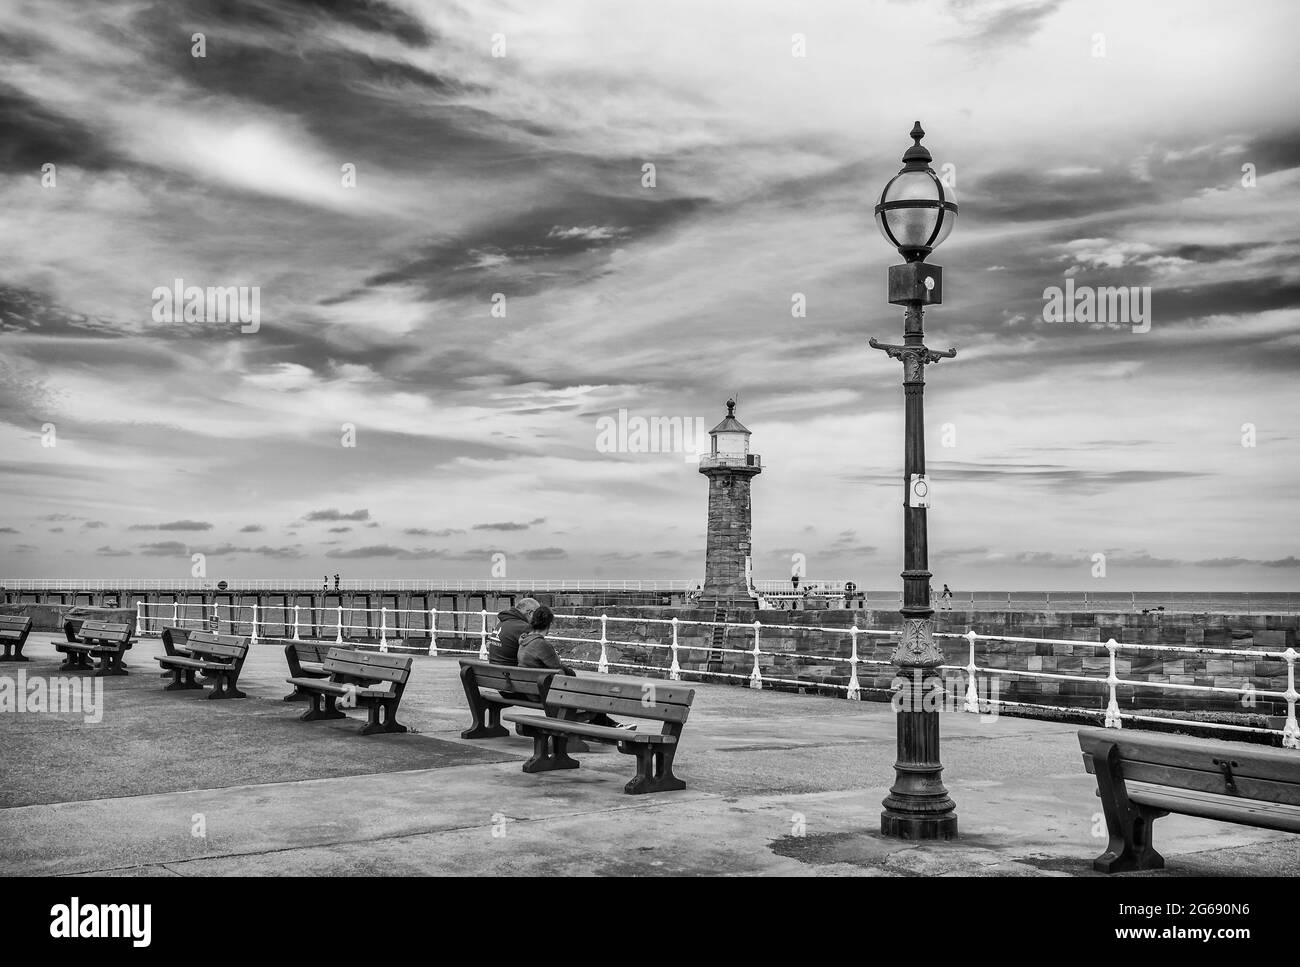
(104, 630)
(531, 683)
(343, 664)
(311, 650)
(207, 644)
(1204, 765)
(14, 625)
(650, 699)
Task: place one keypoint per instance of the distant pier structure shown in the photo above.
(410, 603)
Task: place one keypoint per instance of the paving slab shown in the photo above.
(778, 784)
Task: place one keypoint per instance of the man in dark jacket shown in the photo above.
(513, 623)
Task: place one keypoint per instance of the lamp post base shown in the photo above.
(917, 826)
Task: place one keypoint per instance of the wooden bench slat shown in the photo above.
(389, 668)
(665, 693)
(1197, 781)
(180, 661)
(1190, 752)
(508, 683)
(1229, 809)
(496, 696)
(218, 650)
(586, 729)
(338, 688)
(560, 697)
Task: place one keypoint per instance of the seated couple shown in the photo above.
(521, 640)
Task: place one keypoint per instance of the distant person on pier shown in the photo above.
(504, 649)
(536, 652)
(945, 599)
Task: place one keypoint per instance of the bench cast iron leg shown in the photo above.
(297, 695)
(316, 712)
(1130, 825)
(654, 768)
(177, 685)
(110, 664)
(493, 729)
(224, 686)
(389, 721)
(549, 753)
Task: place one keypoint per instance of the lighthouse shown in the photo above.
(731, 469)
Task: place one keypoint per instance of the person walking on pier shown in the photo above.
(945, 599)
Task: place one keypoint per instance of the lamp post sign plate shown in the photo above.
(918, 494)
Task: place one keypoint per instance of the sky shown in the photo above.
(464, 270)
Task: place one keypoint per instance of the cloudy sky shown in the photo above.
(387, 173)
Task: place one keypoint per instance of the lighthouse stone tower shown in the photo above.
(730, 468)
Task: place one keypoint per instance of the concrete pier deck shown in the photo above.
(170, 784)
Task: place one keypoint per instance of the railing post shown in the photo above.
(482, 648)
(338, 631)
(216, 618)
(433, 632)
(1113, 720)
(296, 636)
(1291, 732)
(139, 619)
(756, 676)
(252, 639)
(383, 628)
(176, 614)
(675, 671)
(602, 666)
(972, 703)
(855, 691)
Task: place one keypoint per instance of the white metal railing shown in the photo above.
(331, 619)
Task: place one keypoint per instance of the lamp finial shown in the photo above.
(918, 154)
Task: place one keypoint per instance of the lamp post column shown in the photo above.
(918, 805)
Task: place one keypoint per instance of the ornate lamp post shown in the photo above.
(915, 214)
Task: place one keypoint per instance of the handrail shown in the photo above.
(255, 618)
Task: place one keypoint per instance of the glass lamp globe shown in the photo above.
(916, 211)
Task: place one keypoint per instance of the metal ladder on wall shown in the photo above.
(714, 663)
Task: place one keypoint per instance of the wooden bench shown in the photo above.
(14, 629)
(351, 677)
(173, 640)
(220, 657)
(506, 686)
(649, 701)
(106, 640)
(306, 660)
(1142, 776)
